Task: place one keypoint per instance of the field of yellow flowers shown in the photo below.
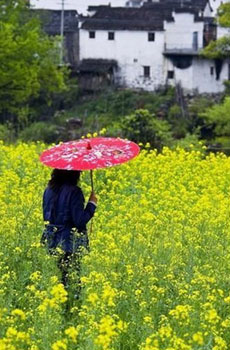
(158, 273)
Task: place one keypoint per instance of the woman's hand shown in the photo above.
(93, 197)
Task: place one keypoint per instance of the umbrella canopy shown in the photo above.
(89, 154)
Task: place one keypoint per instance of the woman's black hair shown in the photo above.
(61, 177)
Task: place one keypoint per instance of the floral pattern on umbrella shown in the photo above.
(89, 154)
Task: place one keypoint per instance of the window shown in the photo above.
(92, 34)
(151, 36)
(111, 36)
(170, 74)
(195, 41)
(146, 71)
(212, 70)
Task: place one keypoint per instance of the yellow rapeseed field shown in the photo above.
(158, 273)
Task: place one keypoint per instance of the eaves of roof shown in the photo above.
(96, 65)
(112, 24)
(150, 16)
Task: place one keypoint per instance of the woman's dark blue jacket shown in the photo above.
(67, 217)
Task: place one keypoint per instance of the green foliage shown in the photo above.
(224, 15)
(69, 97)
(141, 126)
(198, 105)
(223, 142)
(190, 141)
(159, 121)
(174, 112)
(108, 109)
(28, 60)
(61, 101)
(219, 49)
(217, 119)
(39, 131)
(178, 122)
(197, 124)
(227, 87)
(219, 116)
(6, 134)
(125, 102)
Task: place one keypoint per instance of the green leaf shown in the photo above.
(28, 59)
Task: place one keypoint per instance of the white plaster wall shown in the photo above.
(132, 51)
(179, 34)
(208, 11)
(215, 4)
(168, 65)
(221, 31)
(185, 78)
(198, 76)
(203, 81)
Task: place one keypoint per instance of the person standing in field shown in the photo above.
(65, 211)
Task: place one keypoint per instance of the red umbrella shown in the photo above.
(89, 154)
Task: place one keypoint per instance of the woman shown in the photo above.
(63, 209)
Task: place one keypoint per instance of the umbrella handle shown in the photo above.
(92, 186)
(91, 178)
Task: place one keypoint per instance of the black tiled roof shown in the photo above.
(149, 17)
(97, 7)
(96, 65)
(121, 18)
(51, 20)
(194, 4)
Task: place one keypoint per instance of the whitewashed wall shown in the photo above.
(203, 81)
(198, 77)
(179, 34)
(208, 12)
(216, 3)
(132, 51)
(221, 31)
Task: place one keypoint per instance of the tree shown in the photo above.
(220, 49)
(217, 119)
(142, 126)
(224, 15)
(218, 116)
(28, 60)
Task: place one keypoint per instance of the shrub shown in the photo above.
(141, 126)
(6, 133)
(178, 122)
(39, 131)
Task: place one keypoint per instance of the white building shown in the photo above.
(184, 39)
(129, 42)
(152, 46)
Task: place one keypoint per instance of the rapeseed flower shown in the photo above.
(198, 338)
(72, 333)
(157, 274)
(59, 345)
(19, 313)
